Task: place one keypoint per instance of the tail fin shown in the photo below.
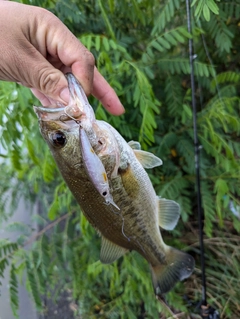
(178, 266)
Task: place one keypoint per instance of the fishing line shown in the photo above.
(211, 63)
(123, 228)
(197, 149)
(128, 238)
(120, 214)
(207, 312)
(123, 232)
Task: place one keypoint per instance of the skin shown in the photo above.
(37, 49)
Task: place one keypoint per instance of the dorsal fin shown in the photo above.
(134, 145)
(168, 212)
(110, 251)
(148, 160)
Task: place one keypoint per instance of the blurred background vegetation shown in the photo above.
(141, 47)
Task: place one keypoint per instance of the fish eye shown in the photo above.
(104, 193)
(59, 139)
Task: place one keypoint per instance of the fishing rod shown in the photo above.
(206, 311)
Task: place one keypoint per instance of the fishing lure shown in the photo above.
(95, 168)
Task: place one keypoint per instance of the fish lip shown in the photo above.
(78, 102)
(76, 89)
(48, 109)
(51, 114)
(74, 110)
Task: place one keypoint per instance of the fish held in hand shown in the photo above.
(136, 225)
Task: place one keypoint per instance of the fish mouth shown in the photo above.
(76, 90)
(75, 109)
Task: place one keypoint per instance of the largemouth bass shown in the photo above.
(132, 222)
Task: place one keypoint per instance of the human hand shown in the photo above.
(37, 49)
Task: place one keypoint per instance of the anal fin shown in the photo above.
(110, 251)
(168, 212)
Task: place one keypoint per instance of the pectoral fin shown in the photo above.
(169, 213)
(110, 251)
(148, 160)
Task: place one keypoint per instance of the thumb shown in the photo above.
(26, 65)
(53, 84)
(40, 74)
(49, 81)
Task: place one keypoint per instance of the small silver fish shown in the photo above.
(136, 226)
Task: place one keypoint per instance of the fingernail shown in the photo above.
(119, 110)
(64, 94)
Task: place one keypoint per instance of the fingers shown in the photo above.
(47, 82)
(82, 63)
(71, 52)
(41, 97)
(45, 101)
(40, 49)
(101, 90)
(106, 95)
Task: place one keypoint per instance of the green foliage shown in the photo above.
(165, 13)
(13, 290)
(141, 48)
(205, 7)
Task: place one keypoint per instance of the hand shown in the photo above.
(37, 49)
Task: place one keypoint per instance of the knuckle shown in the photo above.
(89, 58)
(45, 15)
(48, 82)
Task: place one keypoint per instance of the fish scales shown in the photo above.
(136, 225)
(111, 228)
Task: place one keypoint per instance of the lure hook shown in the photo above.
(71, 117)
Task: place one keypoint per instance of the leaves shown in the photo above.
(143, 96)
(13, 289)
(106, 20)
(165, 41)
(7, 250)
(166, 13)
(204, 7)
(33, 282)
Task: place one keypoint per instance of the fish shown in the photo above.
(136, 225)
